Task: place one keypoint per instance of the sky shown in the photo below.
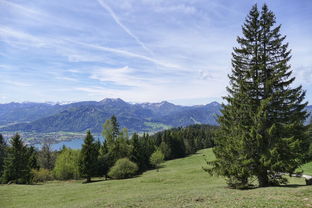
(136, 50)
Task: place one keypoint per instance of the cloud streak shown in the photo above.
(138, 50)
(118, 22)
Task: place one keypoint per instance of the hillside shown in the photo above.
(180, 183)
(80, 116)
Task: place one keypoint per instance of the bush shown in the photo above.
(66, 165)
(41, 175)
(123, 168)
(156, 158)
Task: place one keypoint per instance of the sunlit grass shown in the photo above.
(179, 183)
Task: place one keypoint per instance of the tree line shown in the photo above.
(118, 156)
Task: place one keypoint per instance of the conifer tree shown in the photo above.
(88, 157)
(2, 153)
(32, 155)
(262, 132)
(16, 163)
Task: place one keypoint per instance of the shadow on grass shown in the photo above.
(94, 181)
(277, 186)
(291, 185)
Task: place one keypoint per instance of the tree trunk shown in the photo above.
(88, 179)
(263, 179)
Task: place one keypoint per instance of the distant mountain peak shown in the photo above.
(214, 103)
(166, 103)
(112, 100)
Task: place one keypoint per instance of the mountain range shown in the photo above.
(81, 116)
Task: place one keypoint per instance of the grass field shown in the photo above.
(180, 183)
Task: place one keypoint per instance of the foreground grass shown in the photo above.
(180, 183)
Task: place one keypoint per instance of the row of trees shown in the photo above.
(117, 157)
(140, 152)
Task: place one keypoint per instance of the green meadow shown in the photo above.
(179, 183)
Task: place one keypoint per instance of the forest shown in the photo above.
(117, 157)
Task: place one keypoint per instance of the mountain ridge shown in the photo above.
(80, 116)
(84, 115)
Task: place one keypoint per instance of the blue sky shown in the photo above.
(137, 50)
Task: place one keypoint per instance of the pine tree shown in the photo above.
(115, 125)
(88, 157)
(261, 128)
(16, 163)
(33, 155)
(138, 152)
(2, 153)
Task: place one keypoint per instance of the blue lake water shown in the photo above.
(73, 144)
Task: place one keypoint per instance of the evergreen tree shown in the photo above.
(33, 155)
(46, 157)
(261, 128)
(104, 160)
(111, 130)
(138, 152)
(16, 163)
(88, 157)
(2, 153)
(115, 125)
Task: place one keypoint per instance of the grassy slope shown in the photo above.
(307, 168)
(180, 183)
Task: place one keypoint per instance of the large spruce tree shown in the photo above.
(16, 162)
(261, 128)
(88, 157)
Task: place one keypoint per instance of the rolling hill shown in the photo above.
(179, 183)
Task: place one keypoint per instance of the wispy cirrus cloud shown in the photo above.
(138, 50)
(126, 29)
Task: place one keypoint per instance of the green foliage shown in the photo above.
(17, 162)
(3, 150)
(122, 169)
(66, 165)
(262, 130)
(157, 158)
(111, 130)
(88, 157)
(33, 155)
(116, 141)
(178, 142)
(41, 175)
(46, 157)
(181, 183)
(143, 147)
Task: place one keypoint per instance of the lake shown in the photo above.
(73, 144)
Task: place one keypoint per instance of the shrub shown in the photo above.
(66, 165)
(123, 168)
(41, 175)
(156, 158)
